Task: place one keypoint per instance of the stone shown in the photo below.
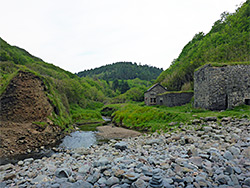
(210, 119)
(247, 181)
(9, 176)
(228, 155)
(28, 161)
(20, 163)
(121, 145)
(229, 170)
(234, 150)
(81, 184)
(93, 178)
(84, 169)
(112, 180)
(63, 173)
(156, 180)
(132, 176)
(139, 184)
(196, 161)
(222, 179)
(6, 167)
(39, 179)
(101, 162)
(102, 180)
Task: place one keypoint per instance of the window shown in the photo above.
(153, 100)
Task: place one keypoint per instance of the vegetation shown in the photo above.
(228, 41)
(123, 71)
(68, 93)
(152, 118)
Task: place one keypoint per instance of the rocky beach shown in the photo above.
(206, 153)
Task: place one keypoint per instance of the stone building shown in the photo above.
(171, 99)
(158, 95)
(151, 94)
(219, 88)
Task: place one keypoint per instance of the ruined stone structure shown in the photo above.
(219, 88)
(174, 98)
(151, 94)
(158, 95)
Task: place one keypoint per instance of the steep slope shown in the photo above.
(123, 71)
(39, 101)
(227, 41)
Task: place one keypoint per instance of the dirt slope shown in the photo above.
(23, 103)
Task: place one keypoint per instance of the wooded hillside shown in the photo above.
(123, 71)
(227, 41)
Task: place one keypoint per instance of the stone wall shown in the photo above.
(174, 99)
(238, 85)
(150, 95)
(219, 88)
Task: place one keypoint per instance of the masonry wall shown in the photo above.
(238, 85)
(219, 88)
(152, 94)
(174, 99)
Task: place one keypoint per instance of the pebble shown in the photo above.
(214, 156)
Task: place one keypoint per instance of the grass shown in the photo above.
(215, 64)
(152, 118)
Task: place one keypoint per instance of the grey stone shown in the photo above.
(121, 145)
(63, 173)
(84, 169)
(237, 169)
(6, 167)
(102, 180)
(222, 179)
(139, 184)
(112, 180)
(247, 181)
(101, 162)
(39, 179)
(9, 176)
(228, 155)
(81, 184)
(93, 178)
(234, 150)
(132, 176)
(210, 119)
(28, 161)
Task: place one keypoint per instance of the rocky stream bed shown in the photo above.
(208, 153)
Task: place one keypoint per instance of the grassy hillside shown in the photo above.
(68, 93)
(123, 71)
(227, 41)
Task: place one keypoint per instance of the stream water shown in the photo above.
(76, 139)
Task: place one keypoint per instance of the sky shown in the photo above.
(82, 34)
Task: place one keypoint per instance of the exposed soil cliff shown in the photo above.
(23, 103)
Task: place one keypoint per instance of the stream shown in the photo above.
(85, 137)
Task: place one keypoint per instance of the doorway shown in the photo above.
(247, 101)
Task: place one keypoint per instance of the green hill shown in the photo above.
(123, 71)
(227, 41)
(68, 93)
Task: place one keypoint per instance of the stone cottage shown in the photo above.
(151, 94)
(158, 95)
(219, 88)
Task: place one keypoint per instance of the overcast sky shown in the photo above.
(82, 34)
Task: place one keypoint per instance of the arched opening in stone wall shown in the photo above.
(247, 101)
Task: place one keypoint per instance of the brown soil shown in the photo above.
(23, 103)
(112, 132)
